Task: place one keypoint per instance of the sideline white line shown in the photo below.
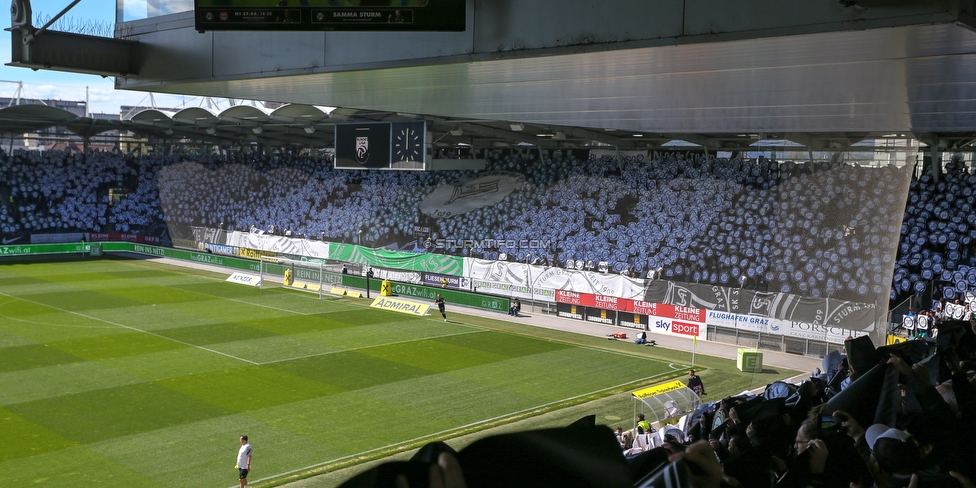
(132, 329)
(370, 346)
(447, 431)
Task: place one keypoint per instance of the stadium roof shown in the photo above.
(718, 74)
(309, 125)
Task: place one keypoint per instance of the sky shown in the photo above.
(44, 84)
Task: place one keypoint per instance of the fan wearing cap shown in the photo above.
(895, 452)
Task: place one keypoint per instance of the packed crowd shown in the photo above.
(817, 229)
(936, 236)
(820, 229)
(54, 191)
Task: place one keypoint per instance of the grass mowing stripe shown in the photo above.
(35, 322)
(405, 341)
(453, 432)
(133, 329)
(61, 379)
(308, 420)
(251, 303)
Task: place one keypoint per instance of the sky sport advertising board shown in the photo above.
(664, 325)
(330, 15)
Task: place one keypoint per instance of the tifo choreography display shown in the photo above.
(758, 224)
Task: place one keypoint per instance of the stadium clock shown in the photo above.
(408, 145)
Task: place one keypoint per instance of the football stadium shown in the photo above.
(448, 243)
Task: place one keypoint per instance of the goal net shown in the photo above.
(310, 276)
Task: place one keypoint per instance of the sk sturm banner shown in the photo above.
(434, 263)
(783, 306)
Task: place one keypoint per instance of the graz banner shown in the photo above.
(766, 325)
(513, 290)
(784, 306)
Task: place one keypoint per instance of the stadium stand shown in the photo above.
(815, 229)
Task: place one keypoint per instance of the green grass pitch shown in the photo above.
(117, 373)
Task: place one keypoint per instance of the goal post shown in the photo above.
(310, 276)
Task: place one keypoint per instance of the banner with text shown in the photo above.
(784, 306)
(551, 278)
(446, 281)
(278, 244)
(789, 328)
(512, 290)
(434, 263)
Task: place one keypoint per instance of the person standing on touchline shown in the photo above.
(243, 461)
(440, 306)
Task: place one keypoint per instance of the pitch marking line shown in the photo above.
(133, 329)
(448, 431)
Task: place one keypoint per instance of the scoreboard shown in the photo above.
(381, 145)
(330, 15)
